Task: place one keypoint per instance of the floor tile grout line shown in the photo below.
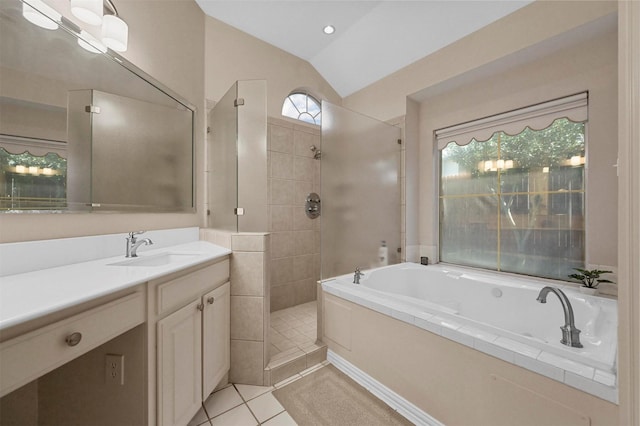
(225, 411)
(206, 413)
(276, 415)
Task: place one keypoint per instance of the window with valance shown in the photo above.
(512, 189)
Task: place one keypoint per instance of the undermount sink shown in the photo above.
(160, 259)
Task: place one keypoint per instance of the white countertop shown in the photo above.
(31, 295)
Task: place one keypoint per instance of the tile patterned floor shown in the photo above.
(246, 405)
(293, 329)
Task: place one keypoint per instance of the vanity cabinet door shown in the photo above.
(216, 327)
(179, 365)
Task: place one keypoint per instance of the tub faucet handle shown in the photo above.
(356, 275)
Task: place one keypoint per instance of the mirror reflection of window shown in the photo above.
(29, 181)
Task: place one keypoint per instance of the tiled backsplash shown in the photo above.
(295, 239)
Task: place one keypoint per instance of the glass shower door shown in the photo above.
(360, 191)
(238, 159)
(223, 163)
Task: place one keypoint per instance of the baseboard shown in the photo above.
(389, 397)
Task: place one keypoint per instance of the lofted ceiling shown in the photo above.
(372, 39)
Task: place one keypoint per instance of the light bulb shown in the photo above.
(115, 33)
(41, 14)
(329, 29)
(89, 11)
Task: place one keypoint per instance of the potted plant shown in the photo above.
(590, 279)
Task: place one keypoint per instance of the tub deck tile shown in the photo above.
(463, 339)
(540, 367)
(567, 365)
(425, 324)
(495, 351)
(478, 333)
(606, 378)
(517, 347)
(609, 393)
(445, 323)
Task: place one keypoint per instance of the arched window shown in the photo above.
(302, 106)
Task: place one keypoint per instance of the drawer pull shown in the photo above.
(210, 300)
(73, 339)
(200, 307)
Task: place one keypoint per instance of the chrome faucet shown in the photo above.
(570, 334)
(356, 276)
(133, 243)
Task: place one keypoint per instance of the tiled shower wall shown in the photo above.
(295, 239)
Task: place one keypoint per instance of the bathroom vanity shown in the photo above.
(112, 340)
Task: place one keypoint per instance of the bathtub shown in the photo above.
(498, 314)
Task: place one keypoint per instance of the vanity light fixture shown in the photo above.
(41, 14)
(329, 29)
(113, 31)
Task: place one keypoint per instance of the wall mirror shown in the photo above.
(85, 130)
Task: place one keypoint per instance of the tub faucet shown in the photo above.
(356, 276)
(133, 243)
(570, 334)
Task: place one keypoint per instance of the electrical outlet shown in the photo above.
(114, 369)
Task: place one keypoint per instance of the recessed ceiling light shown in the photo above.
(329, 29)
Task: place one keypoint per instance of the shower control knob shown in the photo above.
(312, 207)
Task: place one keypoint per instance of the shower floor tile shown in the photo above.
(293, 328)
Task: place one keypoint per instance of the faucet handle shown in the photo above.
(133, 234)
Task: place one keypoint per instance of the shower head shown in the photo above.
(317, 154)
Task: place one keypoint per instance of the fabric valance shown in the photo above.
(38, 147)
(536, 117)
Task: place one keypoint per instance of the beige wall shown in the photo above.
(588, 66)
(172, 51)
(234, 55)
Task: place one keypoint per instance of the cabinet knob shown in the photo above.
(73, 339)
(210, 300)
(200, 307)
